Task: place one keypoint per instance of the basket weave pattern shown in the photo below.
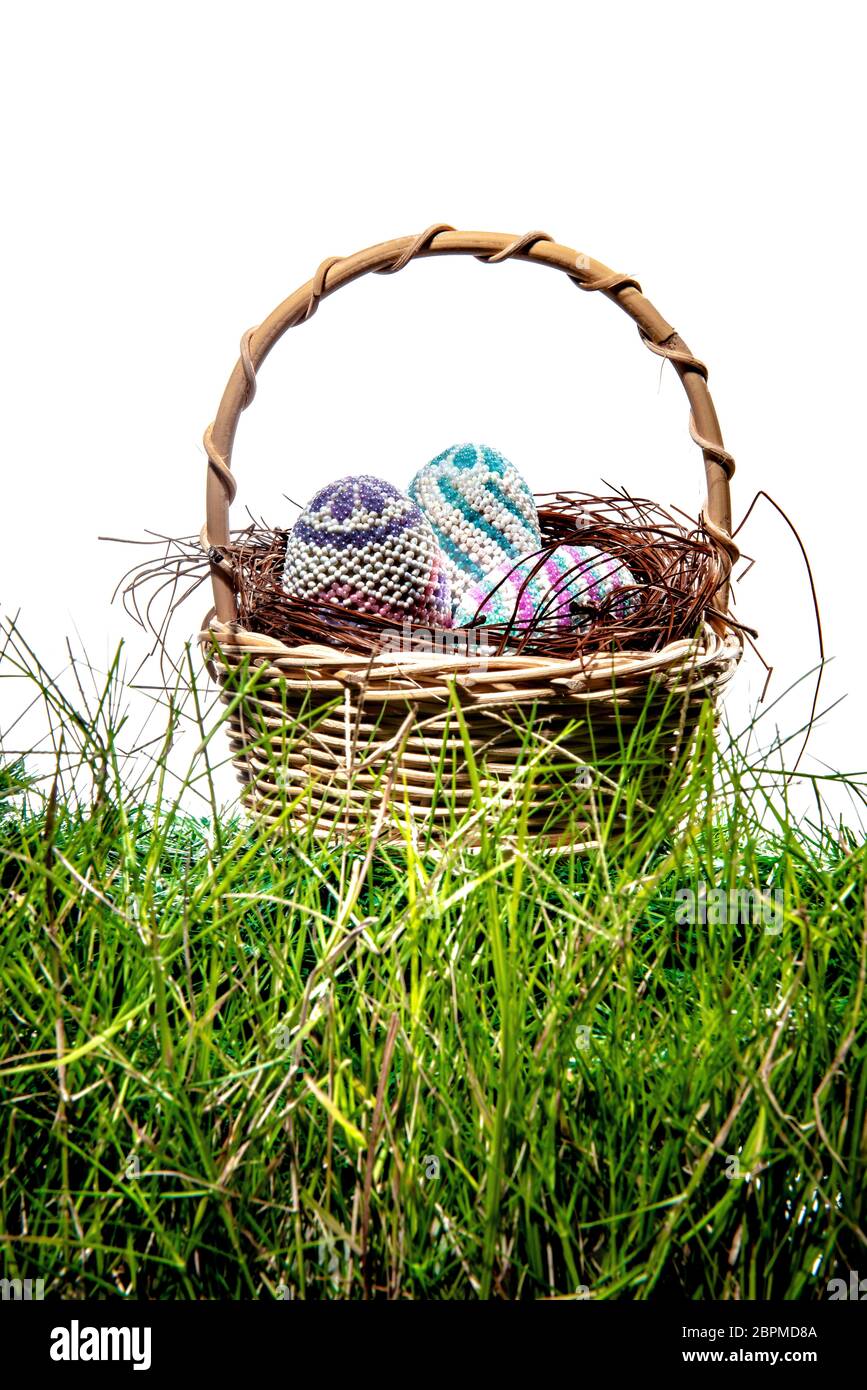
(338, 734)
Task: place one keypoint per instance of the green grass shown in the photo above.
(240, 1064)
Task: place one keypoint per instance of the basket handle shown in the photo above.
(491, 248)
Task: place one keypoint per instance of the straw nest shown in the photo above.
(678, 568)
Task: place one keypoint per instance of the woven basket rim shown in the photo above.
(708, 648)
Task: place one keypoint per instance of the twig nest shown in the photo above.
(565, 590)
(362, 544)
(481, 510)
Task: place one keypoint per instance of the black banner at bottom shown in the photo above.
(62, 1341)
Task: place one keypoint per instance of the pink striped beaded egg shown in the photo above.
(566, 591)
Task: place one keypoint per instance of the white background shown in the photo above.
(172, 171)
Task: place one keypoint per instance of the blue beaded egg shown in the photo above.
(481, 511)
(573, 583)
(362, 544)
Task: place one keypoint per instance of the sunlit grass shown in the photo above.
(238, 1062)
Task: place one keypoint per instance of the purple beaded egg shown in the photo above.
(362, 544)
(564, 592)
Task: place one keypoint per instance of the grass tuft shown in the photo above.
(239, 1063)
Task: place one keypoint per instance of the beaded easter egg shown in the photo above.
(362, 544)
(481, 511)
(573, 579)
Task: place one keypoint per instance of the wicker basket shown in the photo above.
(327, 740)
